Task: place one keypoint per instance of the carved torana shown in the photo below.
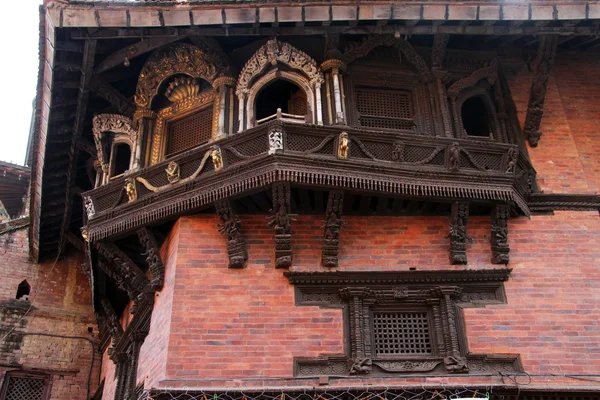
(281, 222)
(230, 227)
(537, 94)
(458, 232)
(333, 223)
(499, 234)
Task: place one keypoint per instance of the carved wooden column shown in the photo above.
(145, 122)
(281, 222)
(122, 362)
(112, 321)
(359, 300)
(499, 234)
(333, 69)
(458, 232)
(453, 362)
(223, 107)
(537, 94)
(333, 222)
(230, 226)
(137, 339)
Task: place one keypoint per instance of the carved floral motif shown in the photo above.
(275, 141)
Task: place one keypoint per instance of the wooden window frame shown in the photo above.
(26, 375)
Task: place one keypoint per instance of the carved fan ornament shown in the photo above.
(180, 58)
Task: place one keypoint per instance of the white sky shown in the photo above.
(19, 33)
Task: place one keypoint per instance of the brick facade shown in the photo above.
(60, 306)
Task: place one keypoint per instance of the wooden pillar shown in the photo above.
(333, 69)
(223, 86)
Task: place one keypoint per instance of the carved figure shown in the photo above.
(333, 223)
(343, 146)
(173, 172)
(155, 264)
(217, 158)
(84, 234)
(499, 234)
(361, 366)
(89, 206)
(513, 155)
(230, 227)
(398, 151)
(275, 141)
(458, 232)
(454, 156)
(281, 222)
(455, 364)
(130, 190)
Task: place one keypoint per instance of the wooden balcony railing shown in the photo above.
(402, 164)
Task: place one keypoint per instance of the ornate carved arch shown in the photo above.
(272, 52)
(178, 58)
(359, 50)
(305, 73)
(123, 129)
(490, 73)
(269, 78)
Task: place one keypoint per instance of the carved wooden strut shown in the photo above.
(458, 232)
(333, 222)
(155, 264)
(281, 222)
(537, 94)
(499, 234)
(230, 226)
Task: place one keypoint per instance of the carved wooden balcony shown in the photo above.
(381, 163)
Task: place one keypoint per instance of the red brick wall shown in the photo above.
(228, 324)
(61, 306)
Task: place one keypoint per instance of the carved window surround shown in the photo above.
(440, 295)
(180, 109)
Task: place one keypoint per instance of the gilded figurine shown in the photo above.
(217, 158)
(343, 146)
(130, 190)
(173, 172)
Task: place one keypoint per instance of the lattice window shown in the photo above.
(384, 108)
(401, 333)
(190, 131)
(24, 388)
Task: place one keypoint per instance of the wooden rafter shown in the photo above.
(82, 104)
(112, 95)
(537, 94)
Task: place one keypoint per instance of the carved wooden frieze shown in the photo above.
(333, 223)
(458, 232)
(401, 322)
(537, 94)
(230, 227)
(281, 222)
(499, 234)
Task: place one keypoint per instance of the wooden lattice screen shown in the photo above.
(297, 104)
(401, 333)
(190, 131)
(384, 108)
(24, 388)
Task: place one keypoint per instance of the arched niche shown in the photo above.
(480, 98)
(278, 60)
(111, 130)
(23, 290)
(178, 58)
(272, 77)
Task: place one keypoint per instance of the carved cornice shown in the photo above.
(179, 58)
(271, 53)
(224, 81)
(333, 63)
(367, 278)
(542, 202)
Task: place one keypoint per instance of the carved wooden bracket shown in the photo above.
(425, 303)
(230, 226)
(111, 319)
(281, 222)
(458, 232)
(155, 263)
(333, 223)
(438, 52)
(499, 234)
(126, 273)
(537, 94)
